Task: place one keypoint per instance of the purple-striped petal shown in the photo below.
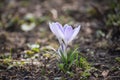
(59, 30)
(76, 30)
(68, 31)
(60, 26)
(56, 28)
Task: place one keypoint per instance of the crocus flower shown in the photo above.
(64, 34)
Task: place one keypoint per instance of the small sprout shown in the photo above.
(47, 55)
(34, 47)
(86, 74)
(7, 61)
(84, 64)
(61, 66)
(22, 63)
(29, 53)
(36, 50)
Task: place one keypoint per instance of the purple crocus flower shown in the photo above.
(64, 34)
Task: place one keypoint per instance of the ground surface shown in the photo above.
(97, 42)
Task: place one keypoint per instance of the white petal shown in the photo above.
(68, 31)
(59, 30)
(56, 29)
(52, 28)
(60, 26)
(76, 30)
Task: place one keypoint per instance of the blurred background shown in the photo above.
(24, 24)
(24, 21)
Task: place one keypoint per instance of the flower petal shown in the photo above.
(59, 30)
(53, 28)
(76, 30)
(60, 26)
(68, 31)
